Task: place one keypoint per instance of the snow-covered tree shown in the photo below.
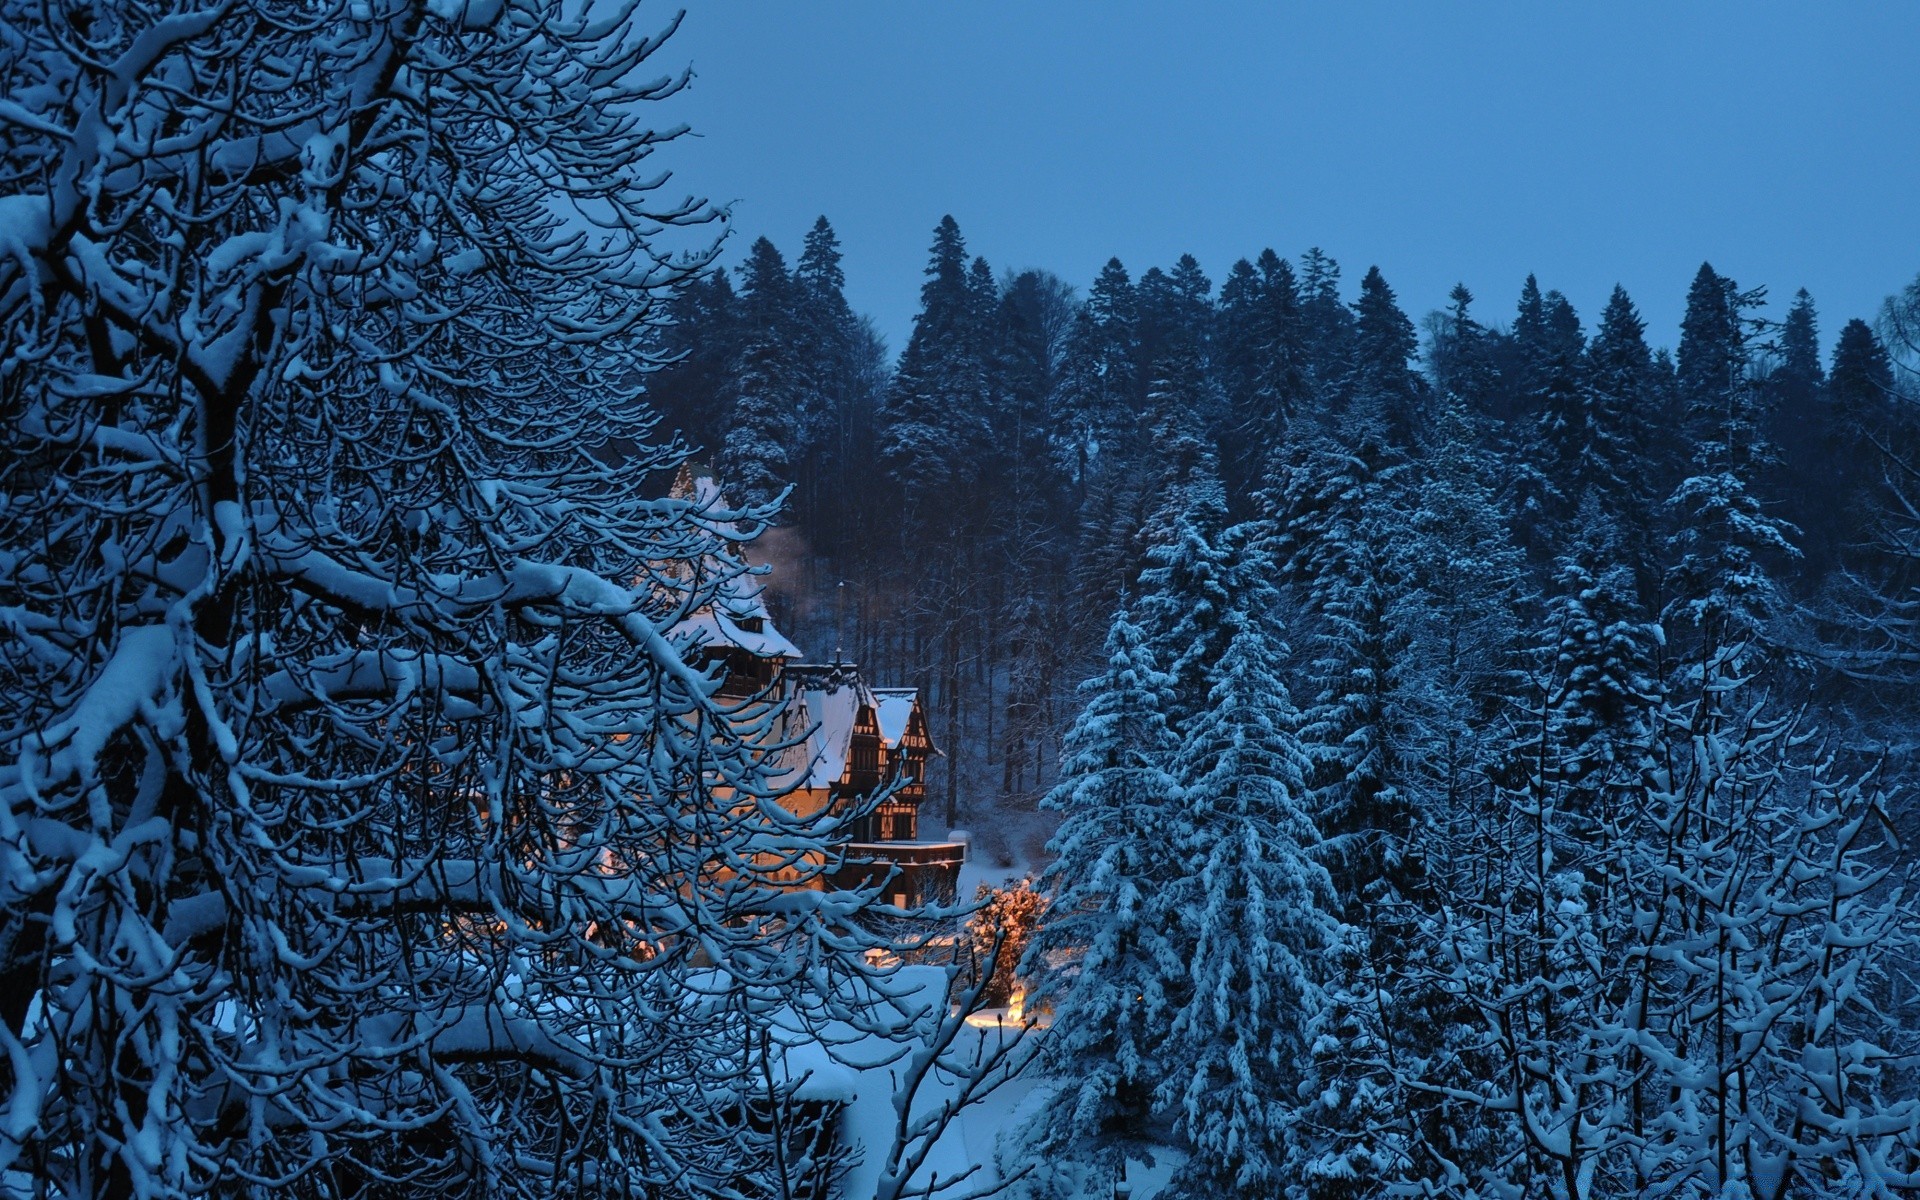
(933, 419)
(1106, 960)
(1251, 910)
(1383, 380)
(768, 434)
(1675, 958)
(364, 823)
(1185, 589)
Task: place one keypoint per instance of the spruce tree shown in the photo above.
(1564, 427)
(694, 393)
(1724, 548)
(1724, 411)
(1864, 410)
(1383, 380)
(1326, 325)
(1625, 454)
(1259, 351)
(1251, 905)
(933, 419)
(1108, 961)
(1185, 590)
(1099, 386)
(763, 442)
(1459, 354)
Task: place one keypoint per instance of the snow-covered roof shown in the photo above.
(829, 700)
(713, 626)
(893, 709)
(738, 616)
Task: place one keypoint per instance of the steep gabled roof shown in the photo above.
(893, 708)
(827, 701)
(738, 617)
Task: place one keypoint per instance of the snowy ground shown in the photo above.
(980, 1142)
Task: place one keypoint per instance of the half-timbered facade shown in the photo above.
(847, 745)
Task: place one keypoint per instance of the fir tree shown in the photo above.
(1099, 384)
(1622, 458)
(1725, 418)
(1260, 355)
(1383, 380)
(1252, 908)
(1724, 547)
(1326, 325)
(1459, 354)
(1564, 425)
(1864, 407)
(694, 394)
(1185, 591)
(934, 417)
(763, 443)
(1107, 961)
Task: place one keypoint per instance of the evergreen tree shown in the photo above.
(1108, 961)
(1185, 591)
(1725, 417)
(1251, 905)
(763, 443)
(933, 419)
(1808, 475)
(1870, 434)
(1336, 543)
(693, 394)
(1100, 383)
(1459, 354)
(1260, 354)
(1326, 325)
(1564, 425)
(1724, 547)
(834, 484)
(1622, 460)
(1383, 379)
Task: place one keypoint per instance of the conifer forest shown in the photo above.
(510, 686)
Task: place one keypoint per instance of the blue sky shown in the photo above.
(1590, 144)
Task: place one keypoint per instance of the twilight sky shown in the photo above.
(1623, 142)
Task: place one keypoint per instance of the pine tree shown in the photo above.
(1724, 413)
(1457, 555)
(1107, 961)
(1350, 1138)
(1260, 353)
(701, 344)
(1864, 417)
(1335, 542)
(1326, 325)
(1724, 547)
(834, 429)
(1460, 356)
(1565, 427)
(1624, 459)
(1100, 386)
(1383, 380)
(933, 419)
(1185, 591)
(1251, 904)
(764, 439)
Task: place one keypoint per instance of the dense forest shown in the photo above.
(1471, 758)
(1496, 736)
(969, 517)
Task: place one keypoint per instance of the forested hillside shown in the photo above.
(1497, 733)
(966, 516)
